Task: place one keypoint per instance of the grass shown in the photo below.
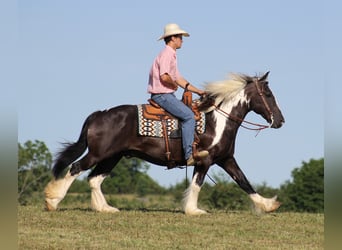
(82, 228)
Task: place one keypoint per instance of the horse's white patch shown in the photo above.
(256, 198)
(56, 190)
(191, 194)
(95, 182)
(263, 204)
(191, 198)
(98, 201)
(221, 118)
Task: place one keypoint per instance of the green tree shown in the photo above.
(34, 165)
(225, 195)
(130, 176)
(178, 189)
(306, 192)
(146, 185)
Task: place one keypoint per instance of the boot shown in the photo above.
(199, 155)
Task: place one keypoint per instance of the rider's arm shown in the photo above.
(182, 82)
(167, 80)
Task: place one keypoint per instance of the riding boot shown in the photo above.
(197, 157)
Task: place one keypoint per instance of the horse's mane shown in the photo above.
(223, 91)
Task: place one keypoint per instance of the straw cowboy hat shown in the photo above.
(173, 29)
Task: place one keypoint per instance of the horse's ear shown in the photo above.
(264, 77)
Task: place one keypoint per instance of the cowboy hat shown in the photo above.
(173, 29)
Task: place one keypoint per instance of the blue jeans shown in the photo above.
(177, 108)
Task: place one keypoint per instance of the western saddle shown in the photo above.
(153, 111)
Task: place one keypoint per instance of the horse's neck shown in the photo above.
(235, 113)
(224, 128)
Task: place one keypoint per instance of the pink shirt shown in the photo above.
(165, 62)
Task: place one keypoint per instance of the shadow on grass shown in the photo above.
(145, 210)
(162, 210)
(73, 209)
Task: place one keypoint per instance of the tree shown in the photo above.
(306, 192)
(130, 176)
(228, 196)
(34, 165)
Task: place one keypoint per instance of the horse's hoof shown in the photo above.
(110, 209)
(267, 205)
(195, 212)
(49, 205)
(106, 209)
(274, 207)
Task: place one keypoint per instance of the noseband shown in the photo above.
(237, 119)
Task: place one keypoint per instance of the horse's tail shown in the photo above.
(72, 151)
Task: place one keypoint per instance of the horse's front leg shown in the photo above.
(262, 204)
(191, 194)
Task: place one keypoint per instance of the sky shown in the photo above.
(76, 57)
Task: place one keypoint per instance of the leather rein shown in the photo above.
(258, 126)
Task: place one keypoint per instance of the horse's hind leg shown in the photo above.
(56, 190)
(84, 164)
(96, 177)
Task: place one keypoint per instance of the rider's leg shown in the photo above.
(177, 108)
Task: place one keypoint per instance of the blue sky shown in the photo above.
(80, 56)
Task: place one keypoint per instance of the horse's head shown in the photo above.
(251, 92)
(262, 101)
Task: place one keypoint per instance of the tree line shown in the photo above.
(304, 193)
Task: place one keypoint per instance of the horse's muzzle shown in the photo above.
(278, 124)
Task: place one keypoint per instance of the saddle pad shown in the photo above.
(153, 128)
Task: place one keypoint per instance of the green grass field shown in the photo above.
(81, 228)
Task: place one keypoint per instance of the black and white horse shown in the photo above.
(111, 134)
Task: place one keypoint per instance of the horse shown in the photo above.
(111, 134)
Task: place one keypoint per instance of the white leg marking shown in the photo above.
(98, 201)
(191, 198)
(56, 190)
(262, 204)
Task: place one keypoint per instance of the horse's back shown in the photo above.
(122, 115)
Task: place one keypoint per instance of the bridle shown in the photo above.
(261, 94)
(259, 127)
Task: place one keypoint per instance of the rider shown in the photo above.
(164, 79)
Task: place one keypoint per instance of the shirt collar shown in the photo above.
(171, 49)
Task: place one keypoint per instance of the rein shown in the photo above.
(237, 119)
(258, 126)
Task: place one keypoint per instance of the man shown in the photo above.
(164, 80)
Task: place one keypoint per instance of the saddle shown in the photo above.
(153, 111)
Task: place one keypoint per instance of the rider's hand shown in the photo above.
(201, 93)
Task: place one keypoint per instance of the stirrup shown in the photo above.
(197, 157)
(202, 154)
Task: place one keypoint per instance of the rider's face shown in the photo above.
(178, 40)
